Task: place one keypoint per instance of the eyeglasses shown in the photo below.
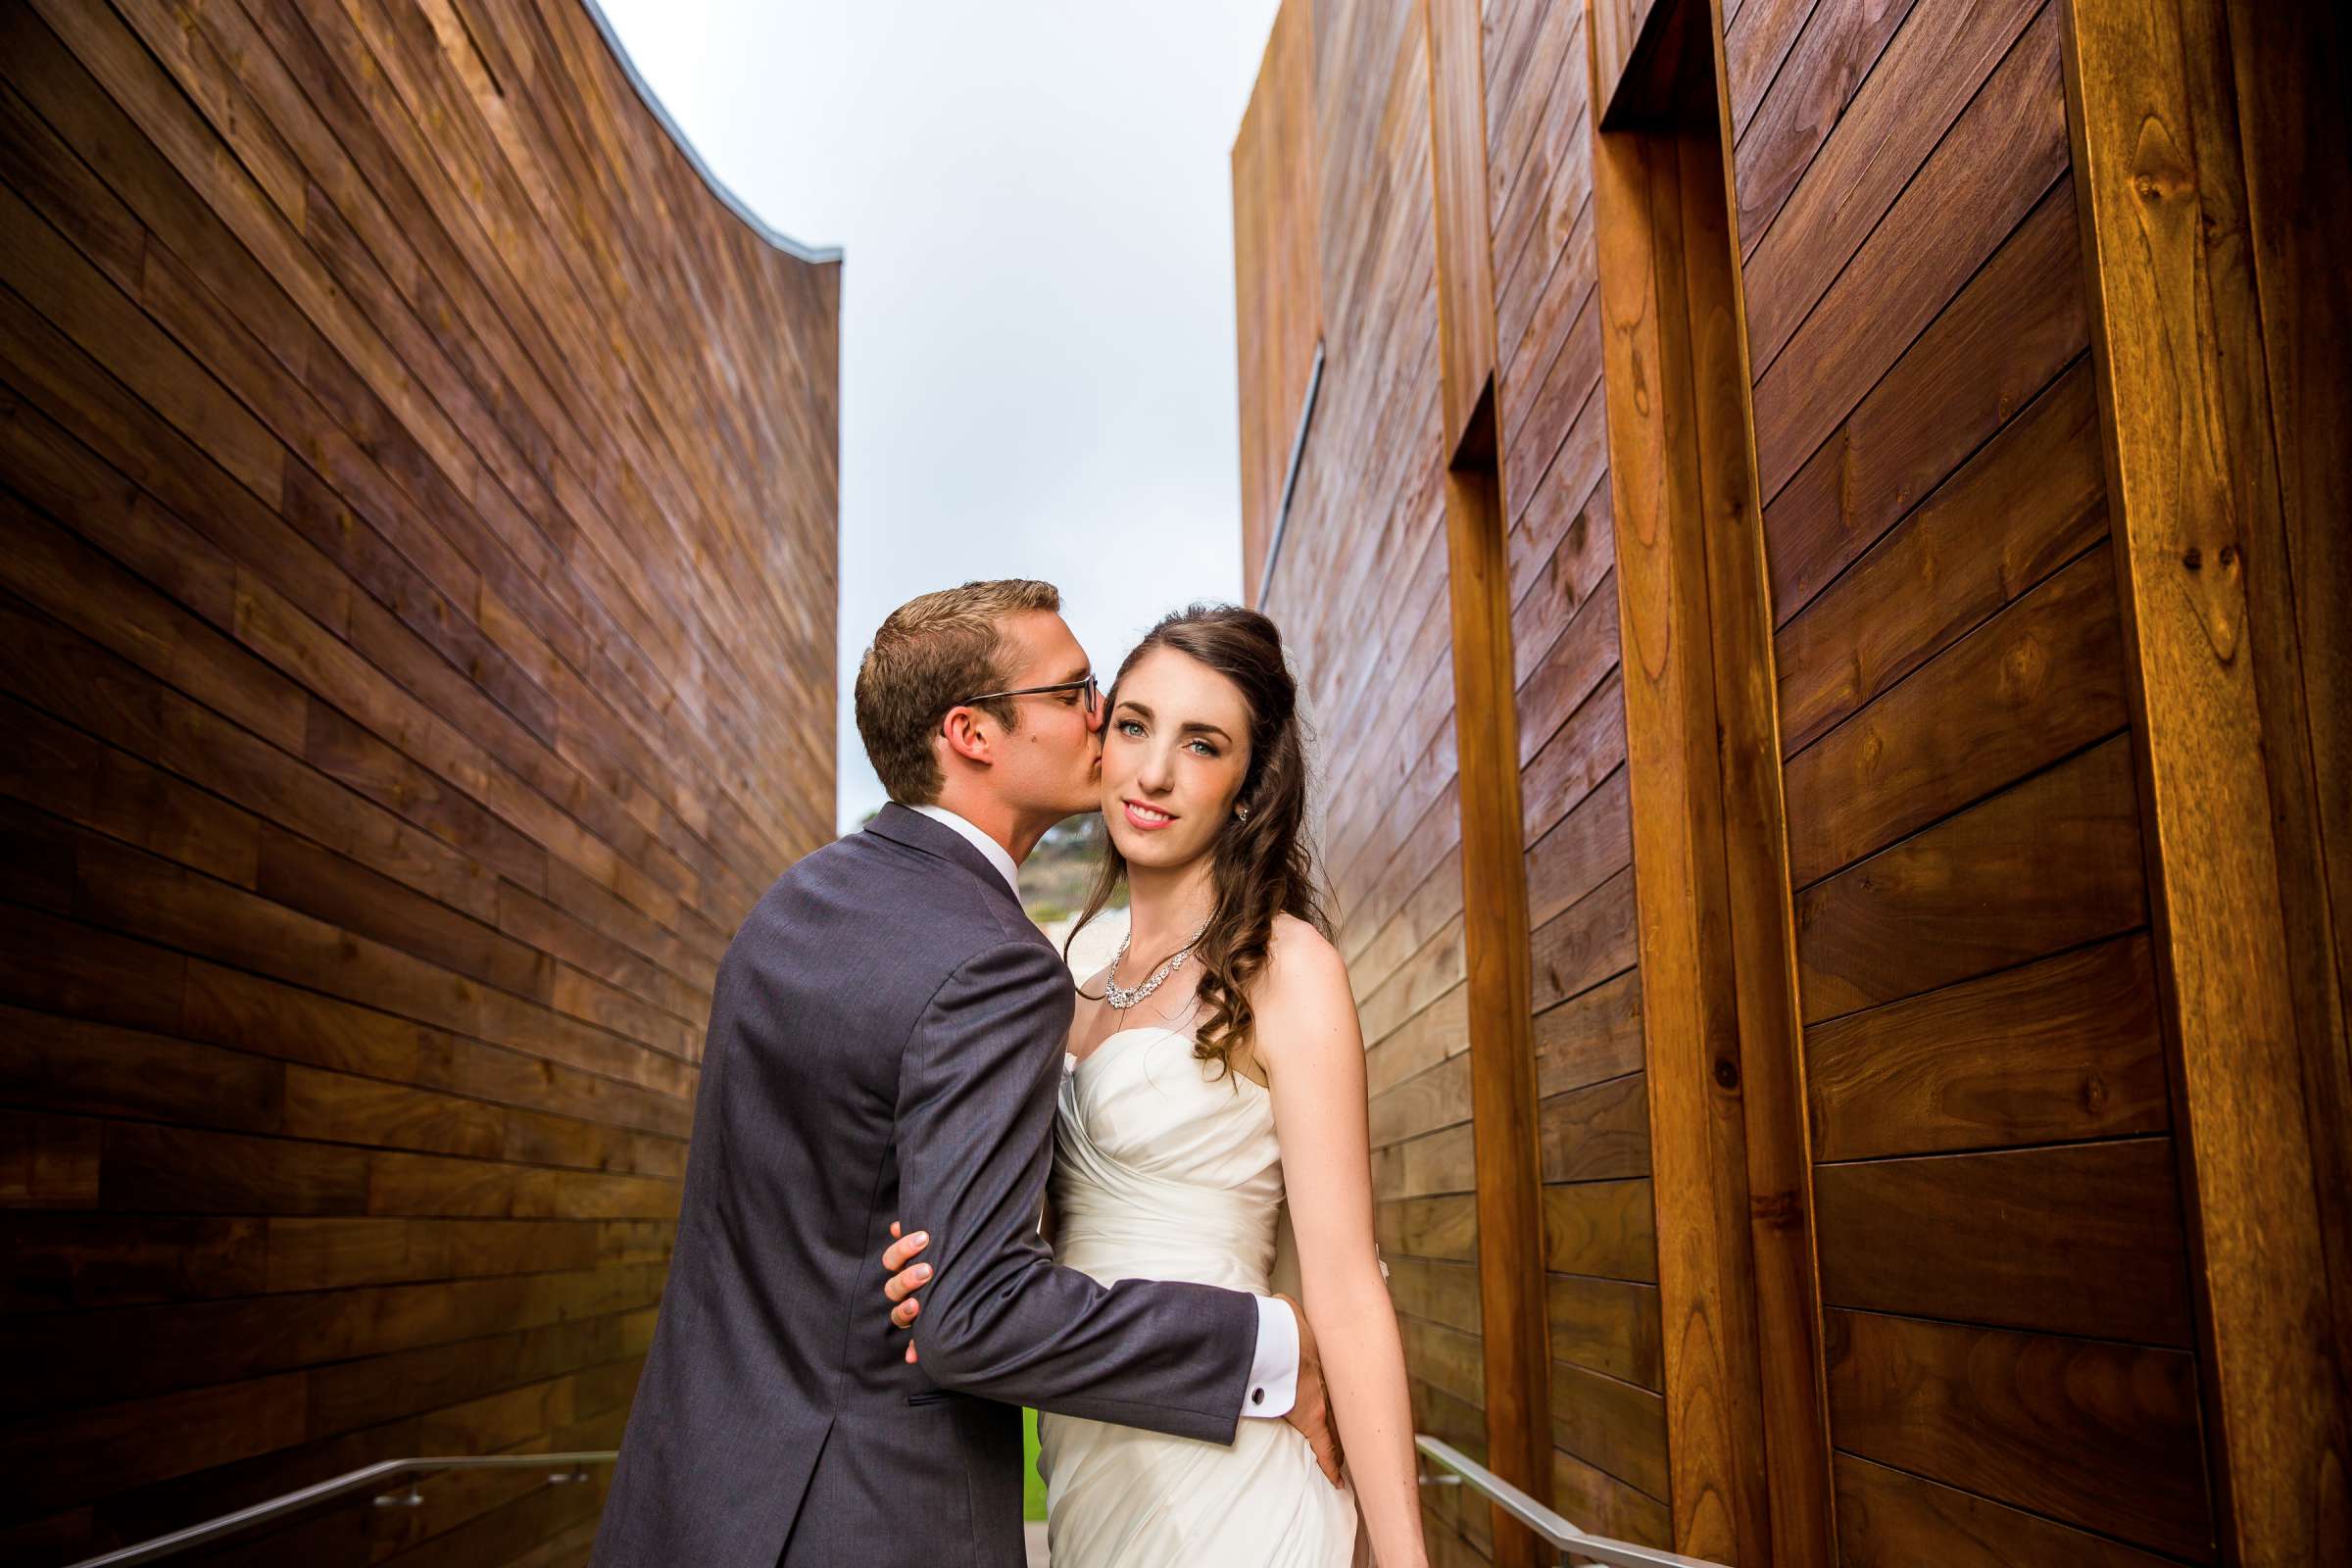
(1085, 683)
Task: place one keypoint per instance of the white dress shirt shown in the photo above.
(1274, 1369)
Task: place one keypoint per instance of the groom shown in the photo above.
(887, 1038)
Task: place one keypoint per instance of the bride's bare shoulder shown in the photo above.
(1299, 953)
(1302, 967)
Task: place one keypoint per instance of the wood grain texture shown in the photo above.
(1494, 874)
(2192, 455)
(418, 627)
(1276, 268)
(2017, 325)
(2051, 864)
(2037, 682)
(2296, 229)
(2031, 499)
(2061, 1050)
(1926, 74)
(1747, 1440)
(1814, 74)
(2094, 1433)
(1888, 1518)
(1607, 1325)
(1967, 1237)
(1465, 237)
(2001, 156)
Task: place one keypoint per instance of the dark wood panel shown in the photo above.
(1596, 1036)
(1443, 1293)
(1592, 843)
(1605, 1505)
(1436, 1098)
(2008, 334)
(418, 655)
(2031, 499)
(1817, 73)
(2000, 156)
(1596, 1132)
(2060, 1050)
(1890, 1519)
(1756, 40)
(1588, 943)
(1975, 1237)
(1587, 747)
(1613, 1426)
(2098, 1434)
(2041, 679)
(1427, 1227)
(1923, 80)
(2048, 864)
(1605, 1227)
(1607, 1325)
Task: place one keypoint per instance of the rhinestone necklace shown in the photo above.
(1121, 1000)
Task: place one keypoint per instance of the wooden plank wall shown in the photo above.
(416, 646)
(1278, 305)
(2002, 1259)
(1608, 1412)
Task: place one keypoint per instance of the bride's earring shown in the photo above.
(1241, 812)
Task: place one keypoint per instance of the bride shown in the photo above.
(1215, 1069)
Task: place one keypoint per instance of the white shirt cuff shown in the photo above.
(1274, 1370)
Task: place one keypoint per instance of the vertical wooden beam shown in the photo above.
(2291, 63)
(1516, 1338)
(1747, 1430)
(1457, 126)
(1516, 1335)
(2193, 488)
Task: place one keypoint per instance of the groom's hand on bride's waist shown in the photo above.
(906, 1278)
(1311, 1408)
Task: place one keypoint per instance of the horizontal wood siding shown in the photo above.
(417, 654)
(1277, 272)
(2003, 1263)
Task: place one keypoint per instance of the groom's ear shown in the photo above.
(970, 735)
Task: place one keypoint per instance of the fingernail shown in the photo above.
(919, 1273)
(919, 1238)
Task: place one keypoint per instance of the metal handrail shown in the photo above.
(1290, 474)
(1555, 1531)
(560, 1468)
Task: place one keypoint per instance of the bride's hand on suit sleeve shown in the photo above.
(906, 1279)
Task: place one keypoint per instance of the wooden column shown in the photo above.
(1516, 1337)
(1747, 1445)
(2192, 436)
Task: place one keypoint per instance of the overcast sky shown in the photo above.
(1037, 314)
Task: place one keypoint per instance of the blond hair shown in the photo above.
(929, 655)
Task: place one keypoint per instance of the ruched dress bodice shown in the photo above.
(1162, 1171)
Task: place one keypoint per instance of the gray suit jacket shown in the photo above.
(886, 1040)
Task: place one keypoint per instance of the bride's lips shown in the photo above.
(1145, 818)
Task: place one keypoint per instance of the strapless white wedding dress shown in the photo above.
(1161, 1173)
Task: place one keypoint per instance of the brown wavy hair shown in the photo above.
(1257, 868)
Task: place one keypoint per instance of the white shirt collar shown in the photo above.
(996, 855)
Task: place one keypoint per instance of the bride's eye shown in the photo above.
(1202, 747)
(1130, 729)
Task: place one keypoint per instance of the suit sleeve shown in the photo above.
(1000, 1320)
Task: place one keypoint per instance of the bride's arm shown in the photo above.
(1311, 1047)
